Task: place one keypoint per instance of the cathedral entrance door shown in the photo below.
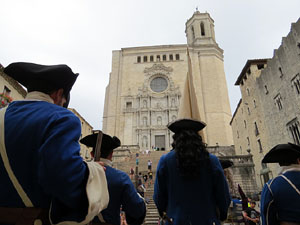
(160, 142)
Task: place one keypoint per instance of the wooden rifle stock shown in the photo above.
(98, 146)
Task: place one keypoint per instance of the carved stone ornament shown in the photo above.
(158, 69)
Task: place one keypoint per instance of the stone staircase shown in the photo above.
(152, 215)
(129, 161)
(154, 156)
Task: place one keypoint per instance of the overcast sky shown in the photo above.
(83, 33)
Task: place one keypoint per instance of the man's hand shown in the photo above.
(102, 164)
(256, 220)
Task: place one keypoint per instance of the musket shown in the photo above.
(97, 153)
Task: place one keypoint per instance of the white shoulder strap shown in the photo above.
(100, 217)
(6, 163)
(290, 182)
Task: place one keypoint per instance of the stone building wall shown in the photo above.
(279, 89)
(248, 125)
(11, 87)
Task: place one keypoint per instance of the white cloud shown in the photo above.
(82, 34)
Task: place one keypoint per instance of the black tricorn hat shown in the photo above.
(225, 163)
(42, 78)
(108, 143)
(186, 124)
(282, 153)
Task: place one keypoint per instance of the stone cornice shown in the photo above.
(155, 47)
(158, 68)
(247, 66)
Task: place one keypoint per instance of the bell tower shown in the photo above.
(200, 29)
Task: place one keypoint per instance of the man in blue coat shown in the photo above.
(121, 190)
(190, 186)
(40, 166)
(280, 197)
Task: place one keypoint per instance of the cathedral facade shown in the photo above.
(146, 85)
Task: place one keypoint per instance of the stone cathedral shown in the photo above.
(146, 86)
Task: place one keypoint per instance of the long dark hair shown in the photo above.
(191, 153)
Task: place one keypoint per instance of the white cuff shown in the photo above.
(97, 193)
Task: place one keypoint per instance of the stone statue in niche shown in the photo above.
(172, 102)
(145, 142)
(145, 104)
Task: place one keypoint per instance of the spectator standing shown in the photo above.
(150, 175)
(131, 173)
(251, 215)
(149, 164)
(145, 177)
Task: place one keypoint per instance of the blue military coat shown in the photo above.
(191, 201)
(280, 200)
(41, 141)
(122, 193)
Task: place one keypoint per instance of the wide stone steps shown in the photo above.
(143, 162)
(152, 214)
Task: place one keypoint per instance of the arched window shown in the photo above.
(173, 118)
(159, 120)
(193, 32)
(202, 29)
(145, 121)
(139, 59)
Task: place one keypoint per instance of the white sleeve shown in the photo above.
(97, 193)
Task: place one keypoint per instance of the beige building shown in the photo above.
(248, 125)
(9, 89)
(269, 111)
(146, 84)
(86, 129)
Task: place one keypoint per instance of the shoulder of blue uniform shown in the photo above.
(213, 157)
(51, 110)
(215, 161)
(168, 155)
(165, 158)
(117, 173)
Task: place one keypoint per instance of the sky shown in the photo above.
(83, 34)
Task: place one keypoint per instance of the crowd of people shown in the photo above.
(43, 179)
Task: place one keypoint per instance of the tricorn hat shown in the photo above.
(42, 78)
(282, 153)
(225, 163)
(108, 143)
(186, 124)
